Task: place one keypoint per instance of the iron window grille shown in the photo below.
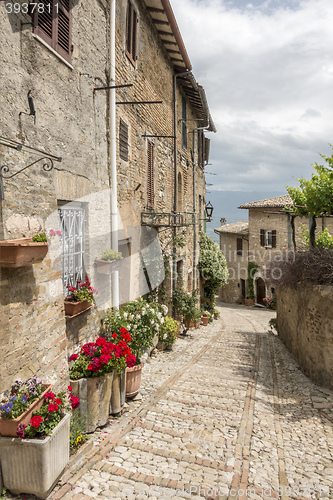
(71, 224)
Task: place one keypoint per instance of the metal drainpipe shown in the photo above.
(174, 263)
(114, 203)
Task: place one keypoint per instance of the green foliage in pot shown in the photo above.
(141, 319)
(111, 255)
(216, 313)
(39, 238)
(251, 269)
(186, 304)
(213, 267)
(168, 331)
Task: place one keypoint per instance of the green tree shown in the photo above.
(314, 197)
(213, 267)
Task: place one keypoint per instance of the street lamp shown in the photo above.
(209, 211)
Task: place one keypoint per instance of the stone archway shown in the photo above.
(261, 290)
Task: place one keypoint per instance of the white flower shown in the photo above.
(165, 336)
(157, 327)
(162, 321)
(143, 311)
(165, 309)
(125, 315)
(128, 327)
(159, 315)
(152, 321)
(135, 326)
(138, 316)
(131, 317)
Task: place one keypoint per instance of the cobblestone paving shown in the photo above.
(226, 414)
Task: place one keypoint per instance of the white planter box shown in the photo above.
(34, 465)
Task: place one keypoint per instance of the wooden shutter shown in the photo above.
(52, 23)
(239, 246)
(207, 149)
(262, 237)
(184, 123)
(131, 33)
(150, 174)
(274, 238)
(63, 38)
(44, 23)
(123, 140)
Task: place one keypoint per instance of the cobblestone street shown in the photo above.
(226, 414)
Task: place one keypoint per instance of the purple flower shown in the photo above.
(20, 430)
(23, 399)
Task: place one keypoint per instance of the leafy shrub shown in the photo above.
(213, 267)
(168, 331)
(111, 255)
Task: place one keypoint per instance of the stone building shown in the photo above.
(268, 237)
(99, 102)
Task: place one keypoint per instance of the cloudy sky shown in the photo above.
(267, 69)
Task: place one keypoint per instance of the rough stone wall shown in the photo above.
(72, 123)
(35, 337)
(304, 322)
(152, 79)
(237, 266)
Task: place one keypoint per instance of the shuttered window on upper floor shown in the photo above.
(150, 174)
(52, 22)
(131, 33)
(123, 140)
(268, 238)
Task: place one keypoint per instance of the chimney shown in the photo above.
(223, 221)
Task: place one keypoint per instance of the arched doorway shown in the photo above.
(261, 290)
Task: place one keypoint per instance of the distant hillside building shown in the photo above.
(266, 237)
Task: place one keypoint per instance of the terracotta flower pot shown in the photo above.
(107, 266)
(33, 466)
(21, 252)
(249, 302)
(204, 320)
(8, 426)
(74, 308)
(133, 380)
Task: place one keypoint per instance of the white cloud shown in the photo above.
(267, 69)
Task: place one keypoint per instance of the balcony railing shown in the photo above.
(165, 219)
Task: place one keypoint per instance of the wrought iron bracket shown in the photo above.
(5, 169)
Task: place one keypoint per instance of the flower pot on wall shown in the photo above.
(107, 266)
(75, 308)
(133, 380)
(8, 426)
(33, 466)
(95, 396)
(118, 392)
(21, 252)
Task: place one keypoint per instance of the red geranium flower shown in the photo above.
(36, 421)
(52, 407)
(49, 395)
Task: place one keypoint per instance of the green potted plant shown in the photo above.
(186, 305)
(18, 403)
(23, 251)
(109, 262)
(205, 317)
(143, 321)
(168, 333)
(92, 376)
(80, 298)
(216, 314)
(40, 450)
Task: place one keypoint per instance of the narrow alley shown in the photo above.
(226, 414)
